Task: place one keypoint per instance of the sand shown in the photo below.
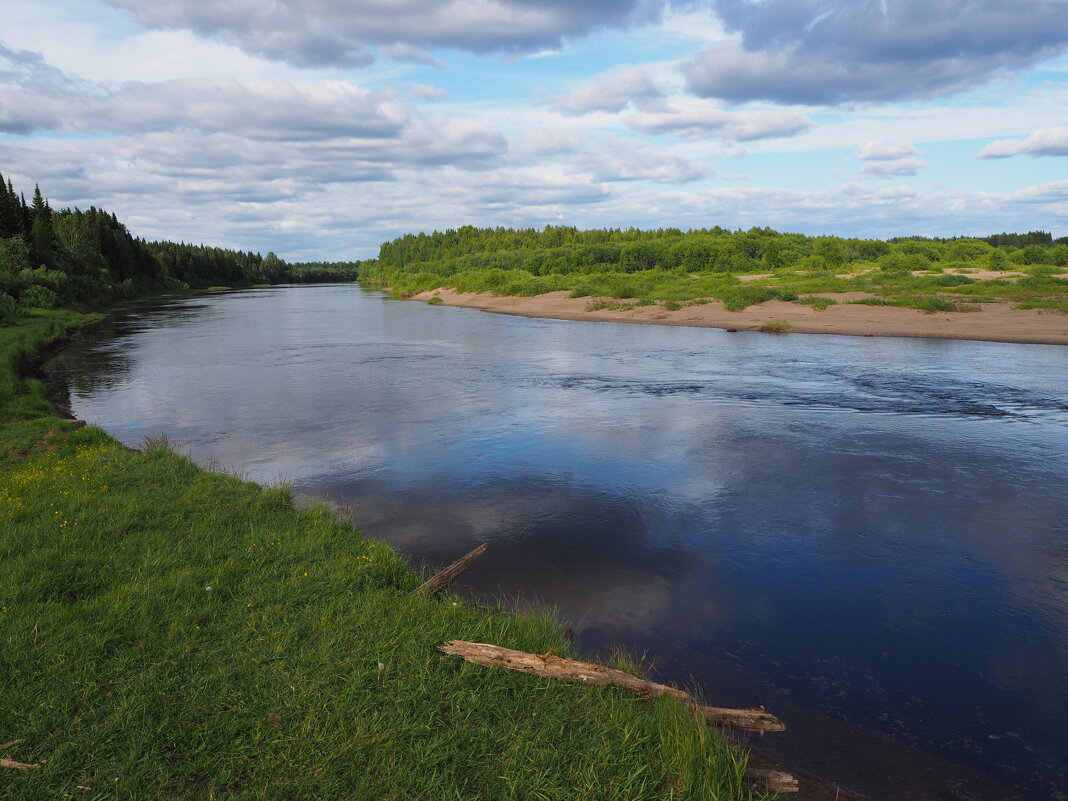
(995, 322)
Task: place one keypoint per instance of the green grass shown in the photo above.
(172, 633)
(925, 303)
(816, 302)
(1050, 305)
(1045, 269)
(599, 304)
(435, 301)
(775, 327)
(890, 284)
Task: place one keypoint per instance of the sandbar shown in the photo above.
(994, 322)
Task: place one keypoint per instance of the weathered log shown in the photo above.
(9, 744)
(447, 576)
(10, 763)
(554, 667)
(773, 780)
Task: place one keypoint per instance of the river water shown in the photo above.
(867, 536)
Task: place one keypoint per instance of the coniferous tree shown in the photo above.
(10, 213)
(42, 233)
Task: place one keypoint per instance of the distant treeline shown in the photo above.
(52, 258)
(527, 261)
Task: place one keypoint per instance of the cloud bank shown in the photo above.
(315, 33)
(838, 51)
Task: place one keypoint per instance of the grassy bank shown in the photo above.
(740, 268)
(167, 632)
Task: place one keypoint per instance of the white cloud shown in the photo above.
(614, 92)
(341, 199)
(870, 150)
(547, 142)
(895, 168)
(1043, 142)
(333, 130)
(37, 97)
(614, 159)
(702, 121)
(888, 161)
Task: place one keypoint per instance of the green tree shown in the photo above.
(997, 260)
(832, 251)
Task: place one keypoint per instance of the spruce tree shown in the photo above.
(42, 234)
(10, 217)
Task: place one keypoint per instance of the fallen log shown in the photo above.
(10, 763)
(447, 576)
(554, 667)
(774, 781)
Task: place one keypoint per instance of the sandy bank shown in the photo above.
(995, 322)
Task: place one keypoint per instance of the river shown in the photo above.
(867, 536)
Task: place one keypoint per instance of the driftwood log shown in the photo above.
(447, 576)
(554, 667)
(10, 763)
(772, 780)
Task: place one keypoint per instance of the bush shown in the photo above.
(902, 263)
(38, 297)
(9, 309)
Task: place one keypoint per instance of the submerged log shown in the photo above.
(447, 576)
(772, 780)
(554, 667)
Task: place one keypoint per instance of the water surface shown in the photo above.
(868, 536)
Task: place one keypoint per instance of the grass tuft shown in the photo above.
(775, 327)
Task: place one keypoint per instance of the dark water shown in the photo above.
(868, 536)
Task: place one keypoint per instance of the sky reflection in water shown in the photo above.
(877, 528)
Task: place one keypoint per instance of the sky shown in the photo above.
(318, 129)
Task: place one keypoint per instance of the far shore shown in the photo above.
(994, 322)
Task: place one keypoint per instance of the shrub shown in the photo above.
(9, 309)
(38, 297)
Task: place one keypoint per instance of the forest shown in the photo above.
(670, 265)
(83, 258)
(72, 257)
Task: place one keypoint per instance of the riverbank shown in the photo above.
(993, 322)
(169, 632)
